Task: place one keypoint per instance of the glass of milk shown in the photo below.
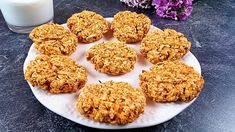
(22, 16)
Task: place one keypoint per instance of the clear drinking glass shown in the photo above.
(22, 16)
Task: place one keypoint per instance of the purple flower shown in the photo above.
(173, 9)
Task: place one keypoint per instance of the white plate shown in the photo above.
(64, 104)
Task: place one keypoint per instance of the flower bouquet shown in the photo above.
(173, 9)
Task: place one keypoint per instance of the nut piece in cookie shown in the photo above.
(112, 57)
(130, 27)
(53, 39)
(88, 26)
(57, 74)
(111, 102)
(171, 81)
(164, 45)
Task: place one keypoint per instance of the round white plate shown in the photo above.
(64, 104)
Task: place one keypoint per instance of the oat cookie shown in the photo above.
(53, 39)
(111, 102)
(88, 26)
(164, 45)
(112, 57)
(171, 81)
(57, 74)
(130, 27)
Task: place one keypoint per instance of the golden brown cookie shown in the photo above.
(57, 74)
(53, 39)
(171, 81)
(164, 45)
(130, 27)
(112, 57)
(111, 102)
(88, 26)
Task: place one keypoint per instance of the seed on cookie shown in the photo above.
(111, 102)
(53, 39)
(112, 57)
(88, 26)
(171, 81)
(164, 45)
(56, 74)
(130, 27)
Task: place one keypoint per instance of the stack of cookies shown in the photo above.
(168, 80)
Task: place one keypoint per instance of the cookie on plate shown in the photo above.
(57, 74)
(112, 57)
(164, 45)
(88, 26)
(171, 81)
(130, 27)
(53, 39)
(111, 102)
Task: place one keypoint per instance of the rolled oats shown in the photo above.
(57, 74)
(171, 81)
(53, 39)
(130, 27)
(111, 102)
(112, 57)
(88, 26)
(164, 45)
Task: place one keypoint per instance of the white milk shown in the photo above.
(25, 13)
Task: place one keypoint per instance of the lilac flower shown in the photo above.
(174, 9)
(138, 3)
